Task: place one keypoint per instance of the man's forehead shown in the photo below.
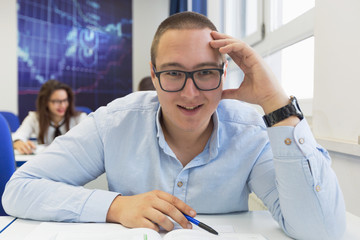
(179, 47)
(205, 32)
(208, 64)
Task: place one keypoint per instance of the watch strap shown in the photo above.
(292, 109)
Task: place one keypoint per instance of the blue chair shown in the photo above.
(7, 158)
(83, 109)
(12, 119)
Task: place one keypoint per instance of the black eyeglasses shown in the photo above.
(204, 79)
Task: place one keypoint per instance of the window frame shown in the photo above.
(267, 42)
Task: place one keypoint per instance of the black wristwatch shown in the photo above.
(292, 109)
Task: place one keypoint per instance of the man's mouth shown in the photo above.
(190, 108)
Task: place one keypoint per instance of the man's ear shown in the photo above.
(152, 74)
(225, 70)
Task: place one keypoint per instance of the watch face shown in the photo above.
(299, 113)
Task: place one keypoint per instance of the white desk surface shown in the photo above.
(247, 222)
(5, 221)
(22, 158)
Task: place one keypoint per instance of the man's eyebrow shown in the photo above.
(171, 64)
(209, 64)
(201, 65)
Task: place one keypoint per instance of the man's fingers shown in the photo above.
(183, 207)
(166, 209)
(174, 208)
(146, 223)
(226, 45)
(158, 217)
(217, 35)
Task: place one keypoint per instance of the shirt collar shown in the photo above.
(160, 135)
(60, 123)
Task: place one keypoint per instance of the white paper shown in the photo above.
(108, 231)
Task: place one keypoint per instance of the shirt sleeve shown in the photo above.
(82, 117)
(49, 188)
(305, 198)
(26, 129)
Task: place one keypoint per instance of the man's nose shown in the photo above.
(190, 90)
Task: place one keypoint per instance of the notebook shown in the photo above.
(106, 231)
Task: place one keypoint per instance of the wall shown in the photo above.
(336, 115)
(8, 58)
(147, 15)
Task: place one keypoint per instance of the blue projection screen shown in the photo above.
(86, 44)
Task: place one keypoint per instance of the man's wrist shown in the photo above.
(275, 103)
(288, 115)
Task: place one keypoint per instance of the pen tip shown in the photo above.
(207, 228)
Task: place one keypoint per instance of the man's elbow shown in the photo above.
(331, 229)
(10, 198)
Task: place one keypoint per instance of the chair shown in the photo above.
(83, 109)
(12, 119)
(7, 158)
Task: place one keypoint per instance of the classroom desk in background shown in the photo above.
(20, 159)
(246, 222)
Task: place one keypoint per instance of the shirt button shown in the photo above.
(287, 141)
(301, 140)
(318, 188)
(180, 184)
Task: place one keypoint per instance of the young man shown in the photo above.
(192, 148)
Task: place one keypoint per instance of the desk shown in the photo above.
(20, 159)
(4, 221)
(247, 222)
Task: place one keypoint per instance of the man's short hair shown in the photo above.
(179, 21)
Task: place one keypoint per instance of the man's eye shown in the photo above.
(205, 72)
(173, 74)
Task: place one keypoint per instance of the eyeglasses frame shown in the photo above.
(191, 75)
(59, 102)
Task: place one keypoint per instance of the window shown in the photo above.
(284, 37)
(294, 68)
(282, 12)
(243, 19)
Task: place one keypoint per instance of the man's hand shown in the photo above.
(24, 147)
(260, 86)
(149, 210)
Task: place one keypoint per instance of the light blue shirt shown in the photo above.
(283, 166)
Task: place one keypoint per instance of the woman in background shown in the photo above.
(55, 115)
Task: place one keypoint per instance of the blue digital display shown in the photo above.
(86, 44)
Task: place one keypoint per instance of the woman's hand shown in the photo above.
(24, 147)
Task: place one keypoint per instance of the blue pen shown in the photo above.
(200, 224)
(8, 225)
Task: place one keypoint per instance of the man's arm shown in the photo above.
(306, 198)
(49, 188)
